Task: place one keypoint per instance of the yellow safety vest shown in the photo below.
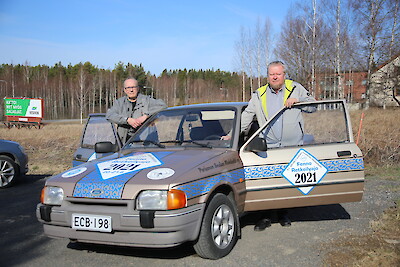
(262, 92)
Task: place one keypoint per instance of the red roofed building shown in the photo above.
(384, 86)
(354, 86)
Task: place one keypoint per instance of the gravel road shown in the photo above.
(23, 243)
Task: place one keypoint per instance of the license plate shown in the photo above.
(91, 222)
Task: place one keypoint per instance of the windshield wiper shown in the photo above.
(149, 141)
(197, 143)
(172, 141)
(188, 141)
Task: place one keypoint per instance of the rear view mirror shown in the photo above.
(257, 145)
(192, 117)
(105, 147)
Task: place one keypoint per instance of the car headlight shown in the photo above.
(161, 200)
(52, 195)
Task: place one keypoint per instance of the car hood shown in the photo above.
(124, 177)
(8, 141)
(7, 144)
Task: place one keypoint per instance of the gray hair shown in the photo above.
(277, 63)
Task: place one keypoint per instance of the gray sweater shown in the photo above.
(122, 110)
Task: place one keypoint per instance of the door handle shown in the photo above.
(79, 156)
(344, 153)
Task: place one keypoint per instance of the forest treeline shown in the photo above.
(74, 91)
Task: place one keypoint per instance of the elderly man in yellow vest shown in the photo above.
(287, 129)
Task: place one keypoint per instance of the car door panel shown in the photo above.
(335, 156)
(97, 129)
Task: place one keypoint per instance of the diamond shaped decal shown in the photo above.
(304, 171)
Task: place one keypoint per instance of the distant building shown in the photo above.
(354, 86)
(385, 84)
(384, 87)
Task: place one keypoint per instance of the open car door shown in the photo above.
(97, 129)
(325, 167)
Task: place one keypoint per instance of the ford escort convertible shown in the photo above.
(177, 181)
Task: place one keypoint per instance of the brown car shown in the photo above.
(177, 181)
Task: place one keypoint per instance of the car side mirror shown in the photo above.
(105, 147)
(257, 145)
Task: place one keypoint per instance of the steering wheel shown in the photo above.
(213, 137)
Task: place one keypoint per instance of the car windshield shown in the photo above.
(185, 127)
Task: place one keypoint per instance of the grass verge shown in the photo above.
(381, 248)
(49, 149)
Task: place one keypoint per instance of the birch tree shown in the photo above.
(81, 92)
(259, 51)
(267, 42)
(395, 33)
(242, 53)
(313, 43)
(373, 19)
(338, 26)
(305, 43)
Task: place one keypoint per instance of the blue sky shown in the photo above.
(157, 34)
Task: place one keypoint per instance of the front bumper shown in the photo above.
(23, 163)
(130, 227)
(26, 169)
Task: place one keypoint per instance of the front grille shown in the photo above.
(100, 202)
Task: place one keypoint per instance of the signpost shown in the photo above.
(22, 112)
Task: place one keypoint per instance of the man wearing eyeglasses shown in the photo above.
(131, 110)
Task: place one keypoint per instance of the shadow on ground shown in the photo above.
(317, 213)
(21, 233)
(314, 213)
(178, 252)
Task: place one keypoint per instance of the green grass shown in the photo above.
(391, 173)
(380, 248)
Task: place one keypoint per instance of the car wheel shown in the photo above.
(219, 229)
(8, 171)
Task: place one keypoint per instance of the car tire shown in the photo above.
(8, 171)
(219, 229)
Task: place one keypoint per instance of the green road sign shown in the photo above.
(23, 107)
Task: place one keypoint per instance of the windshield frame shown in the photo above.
(185, 112)
(346, 120)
